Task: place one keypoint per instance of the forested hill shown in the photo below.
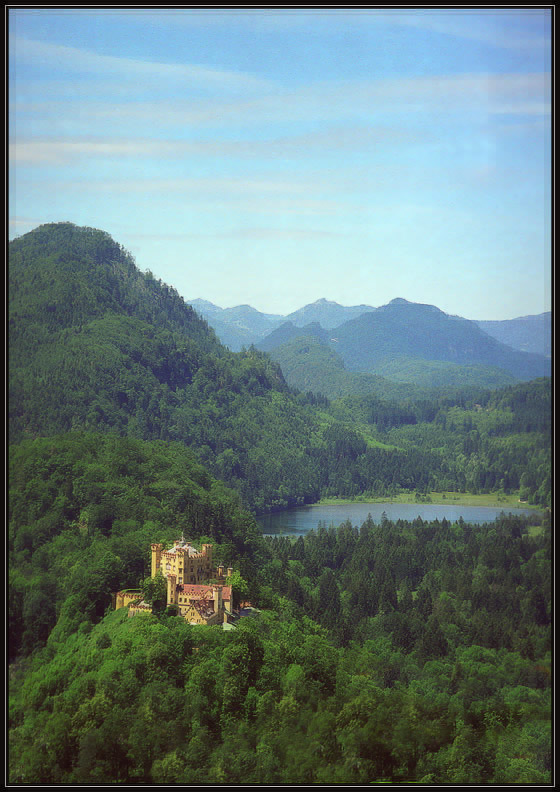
(413, 330)
(400, 653)
(96, 344)
(62, 275)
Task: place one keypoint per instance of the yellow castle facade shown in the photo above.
(185, 570)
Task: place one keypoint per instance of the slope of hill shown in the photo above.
(288, 332)
(342, 675)
(308, 363)
(237, 327)
(526, 333)
(327, 313)
(244, 325)
(95, 344)
(233, 337)
(402, 329)
(84, 508)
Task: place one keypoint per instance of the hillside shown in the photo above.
(95, 344)
(309, 363)
(288, 332)
(401, 342)
(327, 313)
(84, 508)
(402, 329)
(244, 325)
(237, 327)
(527, 333)
(395, 652)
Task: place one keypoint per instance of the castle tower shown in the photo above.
(207, 553)
(171, 589)
(217, 596)
(156, 558)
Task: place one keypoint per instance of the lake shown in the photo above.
(305, 518)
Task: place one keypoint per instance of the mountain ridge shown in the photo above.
(531, 333)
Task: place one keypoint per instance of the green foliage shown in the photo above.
(477, 441)
(399, 652)
(84, 509)
(239, 587)
(309, 364)
(126, 355)
(282, 699)
(154, 590)
(378, 341)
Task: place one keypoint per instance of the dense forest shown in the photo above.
(392, 652)
(97, 345)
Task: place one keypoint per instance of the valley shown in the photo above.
(403, 650)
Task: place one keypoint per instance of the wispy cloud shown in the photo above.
(381, 103)
(81, 61)
(501, 31)
(54, 151)
(248, 234)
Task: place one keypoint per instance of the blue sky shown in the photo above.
(276, 157)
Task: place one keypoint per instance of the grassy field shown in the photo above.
(495, 499)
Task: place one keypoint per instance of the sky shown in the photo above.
(276, 157)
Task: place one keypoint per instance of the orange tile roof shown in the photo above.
(193, 590)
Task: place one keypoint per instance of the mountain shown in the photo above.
(97, 345)
(394, 341)
(327, 313)
(243, 325)
(288, 332)
(311, 365)
(248, 318)
(231, 335)
(401, 342)
(205, 307)
(402, 329)
(236, 327)
(121, 398)
(526, 333)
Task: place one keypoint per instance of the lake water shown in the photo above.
(305, 518)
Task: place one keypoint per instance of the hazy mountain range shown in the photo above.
(243, 324)
(337, 350)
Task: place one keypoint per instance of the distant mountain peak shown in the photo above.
(400, 301)
(199, 302)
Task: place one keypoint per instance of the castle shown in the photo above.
(185, 569)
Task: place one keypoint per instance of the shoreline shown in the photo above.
(494, 500)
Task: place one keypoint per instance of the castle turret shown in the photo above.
(217, 596)
(171, 589)
(156, 558)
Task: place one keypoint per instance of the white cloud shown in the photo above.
(496, 28)
(43, 54)
(374, 104)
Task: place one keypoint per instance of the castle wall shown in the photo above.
(185, 568)
(124, 598)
